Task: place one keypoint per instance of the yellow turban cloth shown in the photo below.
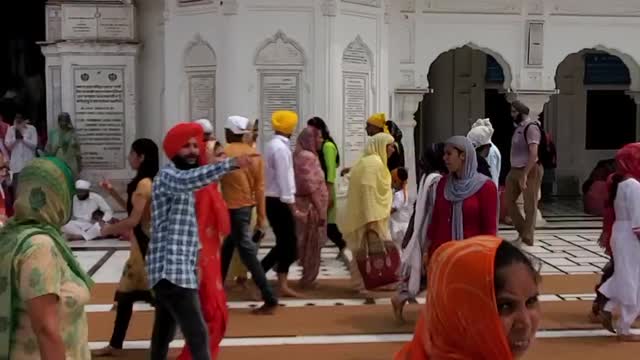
(379, 120)
(284, 121)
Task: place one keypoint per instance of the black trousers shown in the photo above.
(283, 226)
(124, 309)
(176, 305)
(334, 234)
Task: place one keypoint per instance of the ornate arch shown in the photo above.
(628, 60)
(280, 50)
(354, 51)
(506, 67)
(199, 54)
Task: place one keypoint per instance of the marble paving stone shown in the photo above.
(555, 255)
(111, 271)
(589, 260)
(88, 259)
(557, 242)
(536, 250)
(581, 253)
(560, 261)
(579, 269)
(562, 247)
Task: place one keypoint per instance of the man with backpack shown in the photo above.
(528, 151)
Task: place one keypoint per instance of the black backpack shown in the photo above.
(546, 153)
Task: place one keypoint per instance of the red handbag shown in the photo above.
(380, 268)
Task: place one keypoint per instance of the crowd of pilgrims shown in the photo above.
(199, 220)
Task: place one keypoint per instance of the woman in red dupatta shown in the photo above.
(312, 200)
(213, 225)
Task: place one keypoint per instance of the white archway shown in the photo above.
(506, 67)
(200, 65)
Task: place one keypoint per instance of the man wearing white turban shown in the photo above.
(90, 210)
(480, 136)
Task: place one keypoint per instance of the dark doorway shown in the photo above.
(22, 81)
(498, 109)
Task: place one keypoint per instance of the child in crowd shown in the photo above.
(401, 208)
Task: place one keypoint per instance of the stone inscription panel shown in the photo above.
(278, 91)
(100, 117)
(79, 22)
(202, 89)
(355, 104)
(83, 21)
(114, 23)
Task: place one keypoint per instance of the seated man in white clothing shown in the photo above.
(90, 212)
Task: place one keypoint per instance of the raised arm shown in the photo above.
(185, 181)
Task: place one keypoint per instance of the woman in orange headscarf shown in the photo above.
(482, 303)
(213, 225)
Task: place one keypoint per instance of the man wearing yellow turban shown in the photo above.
(284, 122)
(280, 192)
(376, 124)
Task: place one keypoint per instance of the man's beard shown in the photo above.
(182, 163)
(83, 197)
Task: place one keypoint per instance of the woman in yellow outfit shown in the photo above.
(368, 201)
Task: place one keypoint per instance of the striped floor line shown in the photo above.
(240, 305)
(344, 339)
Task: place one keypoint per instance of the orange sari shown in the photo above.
(213, 225)
(460, 320)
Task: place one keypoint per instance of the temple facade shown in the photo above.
(130, 69)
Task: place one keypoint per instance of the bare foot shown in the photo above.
(107, 352)
(398, 306)
(286, 291)
(265, 309)
(607, 321)
(595, 318)
(308, 286)
(629, 338)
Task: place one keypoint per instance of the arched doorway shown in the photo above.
(467, 84)
(594, 114)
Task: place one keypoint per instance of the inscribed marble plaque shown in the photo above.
(79, 22)
(100, 117)
(115, 23)
(278, 91)
(54, 23)
(202, 90)
(354, 106)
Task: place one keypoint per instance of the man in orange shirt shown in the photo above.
(242, 190)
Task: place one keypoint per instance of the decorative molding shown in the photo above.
(407, 37)
(474, 6)
(407, 6)
(358, 53)
(187, 3)
(595, 7)
(388, 10)
(199, 54)
(329, 7)
(230, 7)
(279, 50)
(373, 3)
(195, 7)
(535, 7)
(407, 78)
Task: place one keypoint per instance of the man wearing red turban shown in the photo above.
(173, 250)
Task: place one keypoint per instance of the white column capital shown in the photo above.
(329, 7)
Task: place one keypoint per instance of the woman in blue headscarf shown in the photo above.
(466, 201)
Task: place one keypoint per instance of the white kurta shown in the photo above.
(399, 219)
(623, 288)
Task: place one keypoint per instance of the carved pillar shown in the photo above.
(405, 104)
(535, 100)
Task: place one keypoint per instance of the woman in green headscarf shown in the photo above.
(43, 289)
(63, 144)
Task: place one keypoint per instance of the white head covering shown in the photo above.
(238, 125)
(206, 125)
(83, 185)
(481, 133)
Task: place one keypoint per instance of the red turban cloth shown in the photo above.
(179, 135)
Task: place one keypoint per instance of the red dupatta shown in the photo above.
(213, 225)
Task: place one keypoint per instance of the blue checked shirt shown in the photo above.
(174, 245)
